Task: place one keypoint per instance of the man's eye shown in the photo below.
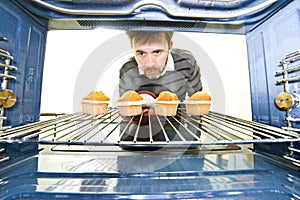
(140, 53)
(158, 52)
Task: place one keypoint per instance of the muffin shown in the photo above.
(95, 103)
(198, 104)
(166, 104)
(130, 104)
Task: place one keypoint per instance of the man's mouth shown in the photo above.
(152, 73)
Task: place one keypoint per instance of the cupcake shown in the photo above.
(95, 103)
(130, 104)
(166, 104)
(198, 104)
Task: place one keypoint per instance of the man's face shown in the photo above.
(152, 56)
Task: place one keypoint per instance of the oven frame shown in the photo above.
(31, 20)
(272, 167)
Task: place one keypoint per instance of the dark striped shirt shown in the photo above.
(184, 79)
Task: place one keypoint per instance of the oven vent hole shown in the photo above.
(137, 23)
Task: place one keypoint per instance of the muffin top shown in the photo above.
(167, 96)
(130, 96)
(200, 96)
(96, 95)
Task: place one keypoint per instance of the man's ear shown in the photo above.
(170, 45)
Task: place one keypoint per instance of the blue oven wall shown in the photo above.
(26, 43)
(267, 45)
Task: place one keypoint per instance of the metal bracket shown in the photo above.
(157, 3)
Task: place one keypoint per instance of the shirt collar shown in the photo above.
(169, 66)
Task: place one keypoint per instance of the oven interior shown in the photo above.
(73, 155)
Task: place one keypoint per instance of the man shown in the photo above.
(156, 67)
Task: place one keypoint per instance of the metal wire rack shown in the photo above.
(180, 130)
(290, 71)
(7, 97)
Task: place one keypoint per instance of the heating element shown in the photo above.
(181, 130)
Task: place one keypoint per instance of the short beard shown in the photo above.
(153, 76)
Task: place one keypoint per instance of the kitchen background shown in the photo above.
(78, 61)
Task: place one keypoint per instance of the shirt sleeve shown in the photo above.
(195, 83)
(126, 78)
(124, 82)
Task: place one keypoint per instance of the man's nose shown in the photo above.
(150, 59)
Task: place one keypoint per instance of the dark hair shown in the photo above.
(146, 36)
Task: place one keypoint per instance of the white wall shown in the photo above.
(77, 62)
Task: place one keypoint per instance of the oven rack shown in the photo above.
(181, 130)
(3, 157)
(290, 71)
(7, 97)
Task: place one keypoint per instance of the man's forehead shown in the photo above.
(151, 46)
(150, 49)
